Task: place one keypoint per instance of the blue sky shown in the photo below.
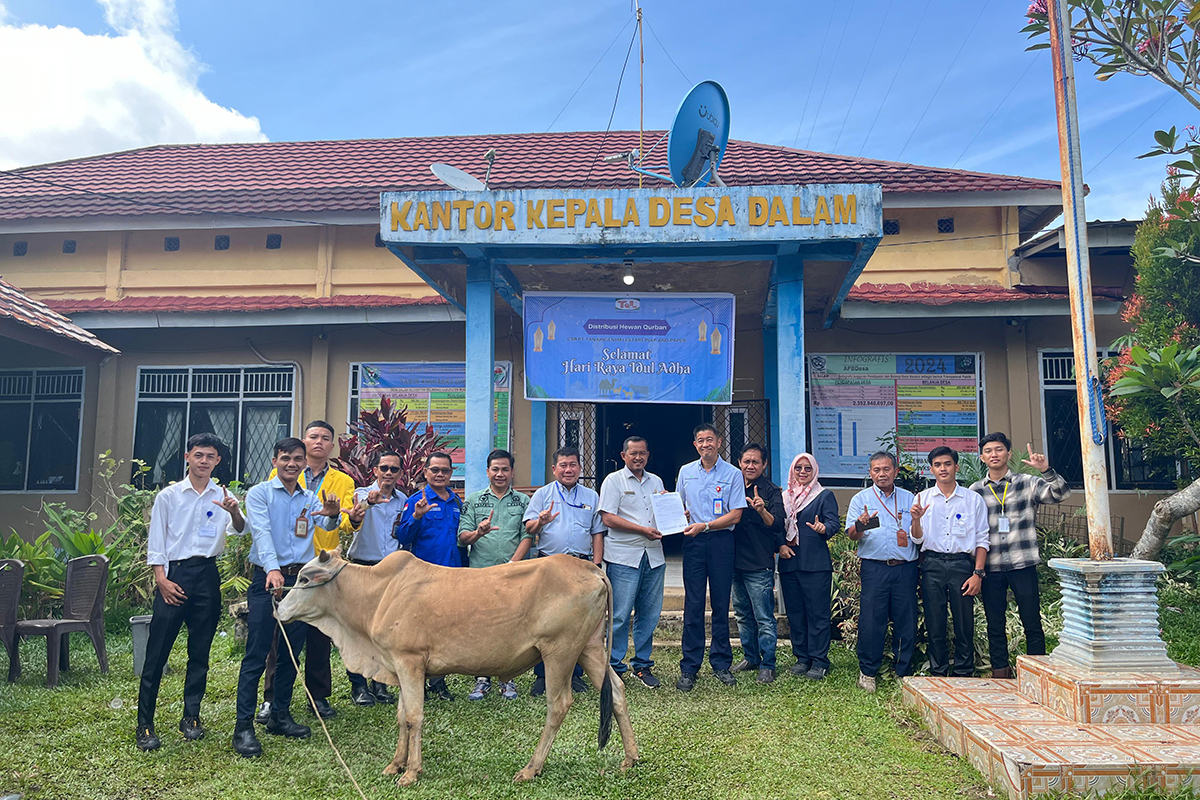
(938, 82)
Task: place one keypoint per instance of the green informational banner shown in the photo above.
(856, 398)
(435, 392)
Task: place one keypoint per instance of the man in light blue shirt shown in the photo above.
(879, 519)
(282, 518)
(713, 496)
(377, 510)
(565, 519)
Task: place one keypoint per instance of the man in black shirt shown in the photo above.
(756, 539)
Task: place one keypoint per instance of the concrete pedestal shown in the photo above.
(1110, 617)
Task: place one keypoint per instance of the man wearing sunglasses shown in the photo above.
(376, 510)
(428, 529)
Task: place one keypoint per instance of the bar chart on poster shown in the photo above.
(858, 399)
(435, 393)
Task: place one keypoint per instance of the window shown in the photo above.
(221, 242)
(1129, 467)
(68, 246)
(946, 225)
(171, 244)
(274, 241)
(41, 411)
(250, 408)
(891, 227)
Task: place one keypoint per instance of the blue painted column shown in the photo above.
(537, 442)
(779, 462)
(792, 425)
(481, 357)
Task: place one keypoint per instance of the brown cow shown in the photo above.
(404, 619)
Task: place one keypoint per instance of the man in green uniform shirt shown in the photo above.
(491, 527)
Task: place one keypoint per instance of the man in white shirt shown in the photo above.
(187, 532)
(573, 529)
(950, 522)
(634, 555)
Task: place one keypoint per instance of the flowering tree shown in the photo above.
(1154, 383)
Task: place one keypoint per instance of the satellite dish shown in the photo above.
(456, 178)
(697, 138)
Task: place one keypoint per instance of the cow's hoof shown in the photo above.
(391, 769)
(628, 763)
(526, 774)
(407, 779)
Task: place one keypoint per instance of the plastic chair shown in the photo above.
(83, 610)
(12, 573)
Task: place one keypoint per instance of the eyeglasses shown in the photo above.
(803, 468)
(387, 468)
(440, 470)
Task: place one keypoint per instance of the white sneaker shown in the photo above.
(508, 690)
(866, 683)
(482, 687)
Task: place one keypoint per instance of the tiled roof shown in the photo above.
(938, 294)
(21, 308)
(312, 177)
(278, 302)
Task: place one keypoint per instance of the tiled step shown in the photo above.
(1026, 749)
(1124, 698)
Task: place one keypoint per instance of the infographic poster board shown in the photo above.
(642, 348)
(435, 392)
(855, 399)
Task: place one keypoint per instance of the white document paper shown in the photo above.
(668, 513)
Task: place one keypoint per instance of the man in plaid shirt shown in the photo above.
(1012, 500)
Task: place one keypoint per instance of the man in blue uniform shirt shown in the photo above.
(429, 529)
(565, 518)
(713, 496)
(881, 520)
(282, 517)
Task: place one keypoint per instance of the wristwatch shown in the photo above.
(980, 573)
(707, 527)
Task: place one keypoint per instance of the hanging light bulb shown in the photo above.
(627, 279)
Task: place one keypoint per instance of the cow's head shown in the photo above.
(305, 600)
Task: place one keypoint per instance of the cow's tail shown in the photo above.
(606, 689)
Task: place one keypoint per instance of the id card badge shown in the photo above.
(717, 507)
(302, 525)
(1003, 524)
(208, 528)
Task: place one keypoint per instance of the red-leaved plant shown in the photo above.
(387, 428)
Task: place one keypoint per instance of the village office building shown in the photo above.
(252, 287)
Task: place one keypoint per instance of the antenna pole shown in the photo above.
(641, 88)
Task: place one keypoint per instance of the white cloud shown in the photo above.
(71, 94)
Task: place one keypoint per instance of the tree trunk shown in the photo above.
(1166, 513)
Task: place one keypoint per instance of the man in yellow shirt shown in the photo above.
(318, 476)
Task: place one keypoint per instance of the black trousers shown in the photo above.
(942, 577)
(707, 564)
(318, 675)
(201, 612)
(806, 596)
(888, 593)
(260, 632)
(1024, 585)
(357, 682)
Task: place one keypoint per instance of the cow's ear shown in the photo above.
(324, 557)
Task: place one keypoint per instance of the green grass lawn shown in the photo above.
(792, 739)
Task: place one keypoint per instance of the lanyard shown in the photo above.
(316, 489)
(1000, 499)
(883, 502)
(574, 495)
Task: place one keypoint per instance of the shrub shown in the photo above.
(387, 428)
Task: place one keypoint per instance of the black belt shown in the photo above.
(936, 554)
(193, 561)
(286, 569)
(891, 562)
(363, 563)
(584, 556)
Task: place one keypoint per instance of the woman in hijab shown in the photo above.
(805, 568)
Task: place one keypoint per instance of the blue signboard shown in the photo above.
(645, 348)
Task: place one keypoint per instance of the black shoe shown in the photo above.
(578, 685)
(539, 687)
(264, 713)
(245, 743)
(282, 724)
(647, 678)
(686, 682)
(766, 675)
(744, 666)
(382, 695)
(800, 667)
(437, 688)
(725, 677)
(322, 709)
(362, 696)
(191, 729)
(146, 738)
(816, 674)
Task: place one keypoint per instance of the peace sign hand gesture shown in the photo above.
(1036, 460)
(756, 502)
(546, 517)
